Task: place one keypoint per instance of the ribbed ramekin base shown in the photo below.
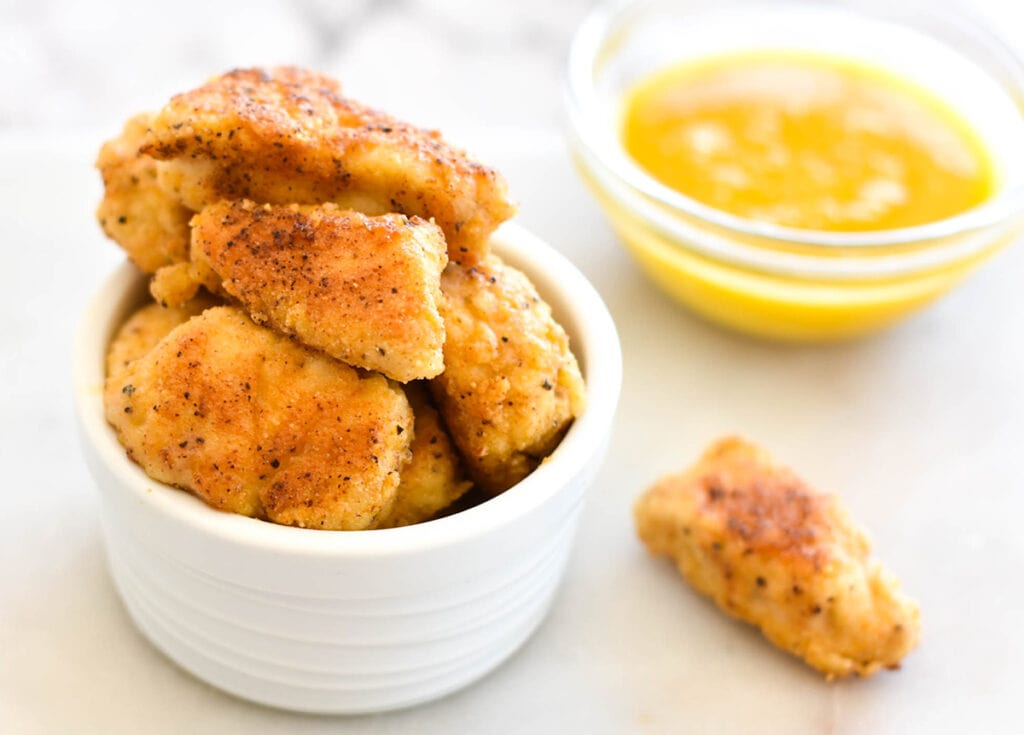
(347, 677)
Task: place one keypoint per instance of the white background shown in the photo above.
(920, 429)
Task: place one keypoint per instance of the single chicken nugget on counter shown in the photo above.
(363, 289)
(286, 135)
(433, 479)
(511, 386)
(255, 424)
(136, 211)
(776, 553)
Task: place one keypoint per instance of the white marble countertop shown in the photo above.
(440, 63)
(920, 428)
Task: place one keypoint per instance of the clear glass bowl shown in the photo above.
(783, 282)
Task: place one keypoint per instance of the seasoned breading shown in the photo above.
(362, 289)
(136, 211)
(174, 285)
(772, 551)
(144, 329)
(286, 135)
(511, 386)
(255, 424)
(433, 479)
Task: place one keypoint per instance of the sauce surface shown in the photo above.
(806, 141)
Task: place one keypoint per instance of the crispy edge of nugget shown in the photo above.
(773, 552)
(144, 329)
(434, 478)
(255, 424)
(175, 285)
(511, 385)
(287, 135)
(365, 290)
(136, 212)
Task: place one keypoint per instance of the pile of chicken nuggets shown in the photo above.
(331, 343)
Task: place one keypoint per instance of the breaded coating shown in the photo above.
(286, 135)
(136, 211)
(174, 285)
(362, 289)
(511, 387)
(774, 552)
(253, 423)
(144, 329)
(433, 479)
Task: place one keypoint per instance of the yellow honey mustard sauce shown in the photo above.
(806, 141)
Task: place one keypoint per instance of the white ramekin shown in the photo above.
(348, 622)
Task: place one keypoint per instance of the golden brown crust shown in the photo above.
(511, 386)
(362, 289)
(774, 552)
(136, 212)
(255, 424)
(771, 511)
(144, 329)
(309, 221)
(286, 135)
(434, 478)
(174, 285)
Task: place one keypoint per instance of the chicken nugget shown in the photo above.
(774, 552)
(433, 479)
(362, 289)
(255, 424)
(286, 135)
(136, 211)
(511, 386)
